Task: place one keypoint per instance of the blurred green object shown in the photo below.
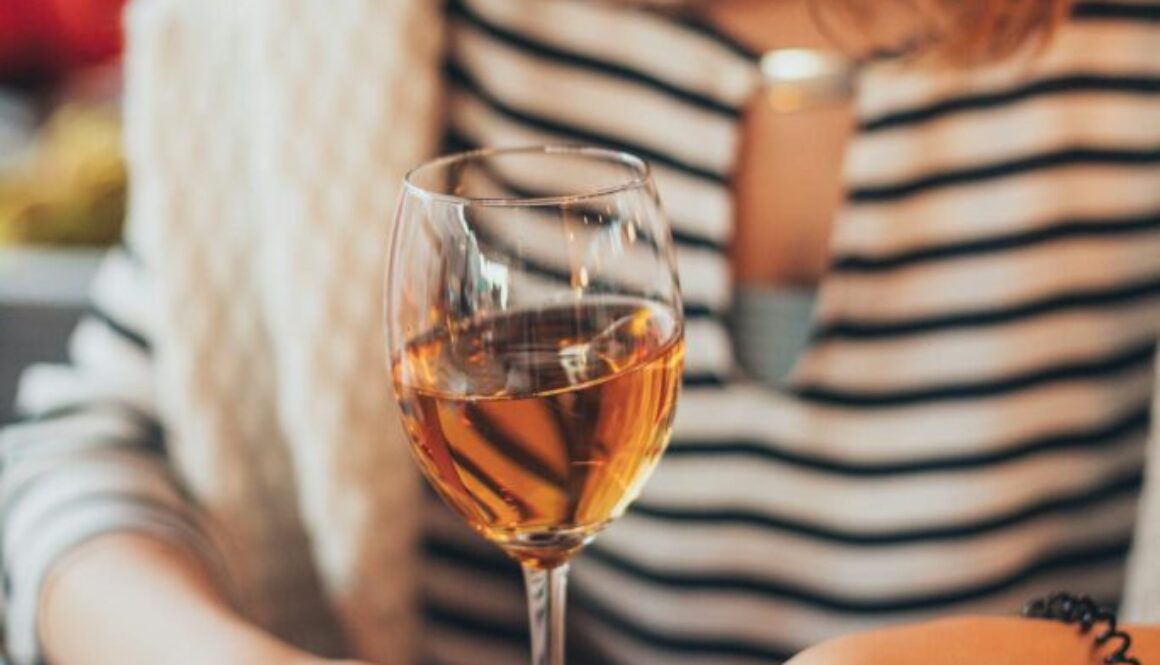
(70, 188)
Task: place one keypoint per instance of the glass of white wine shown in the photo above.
(536, 341)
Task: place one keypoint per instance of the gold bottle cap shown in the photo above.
(801, 79)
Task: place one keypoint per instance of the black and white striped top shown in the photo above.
(965, 428)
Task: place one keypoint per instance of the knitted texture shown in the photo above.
(265, 147)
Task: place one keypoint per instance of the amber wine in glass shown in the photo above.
(536, 348)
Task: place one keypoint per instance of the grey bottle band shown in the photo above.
(771, 329)
(801, 79)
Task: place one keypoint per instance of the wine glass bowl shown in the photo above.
(535, 333)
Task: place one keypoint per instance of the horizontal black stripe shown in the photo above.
(536, 266)
(1144, 156)
(456, 620)
(1131, 426)
(456, 141)
(16, 496)
(517, 258)
(682, 237)
(701, 311)
(1116, 10)
(171, 514)
(572, 133)
(545, 270)
(1096, 298)
(703, 380)
(98, 404)
(487, 627)
(1083, 555)
(1067, 84)
(683, 643)
(703, 26)
(151, 431)
(478, 557)
(595, 212)
(90, 498)
(1064, 230)
(1119, 487)
(547, 51)
(1091, 368)
(137, 445)
(123, 331)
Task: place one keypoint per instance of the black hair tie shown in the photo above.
(1081, 610)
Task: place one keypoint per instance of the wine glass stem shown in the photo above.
(546, 593)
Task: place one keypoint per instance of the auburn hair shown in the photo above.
(961, 32)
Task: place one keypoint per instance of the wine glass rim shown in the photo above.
(642, 174)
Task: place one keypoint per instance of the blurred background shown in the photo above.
(62, 179)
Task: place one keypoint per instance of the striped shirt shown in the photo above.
(966, 425)
(964, 429)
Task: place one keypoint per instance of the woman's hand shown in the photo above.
(972, 640)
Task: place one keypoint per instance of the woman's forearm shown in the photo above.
(1145, 642)
(128, 598)
(969, 640)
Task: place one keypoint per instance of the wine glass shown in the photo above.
(536, 344)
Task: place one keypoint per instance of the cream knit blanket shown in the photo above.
(266, 141)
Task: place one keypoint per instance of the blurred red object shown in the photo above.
(49, 38)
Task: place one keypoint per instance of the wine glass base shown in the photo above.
(545, 550)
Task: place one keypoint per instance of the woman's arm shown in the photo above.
(88, 458)
(131, 598)
(973, 640)
(103, 557)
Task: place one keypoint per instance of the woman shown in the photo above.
(964, 429)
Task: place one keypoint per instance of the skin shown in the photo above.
(972, 640)
(164, 600)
